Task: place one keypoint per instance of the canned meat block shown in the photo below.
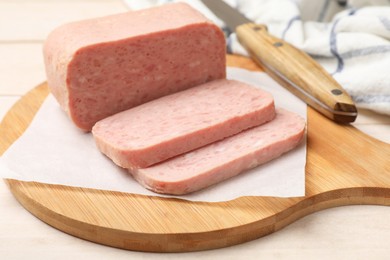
(98, 67)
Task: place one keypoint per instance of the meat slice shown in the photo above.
(96, 68)
(224, 159)
(181, 122)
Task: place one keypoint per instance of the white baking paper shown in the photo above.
(54, 151)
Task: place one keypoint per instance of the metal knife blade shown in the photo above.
(291, 67)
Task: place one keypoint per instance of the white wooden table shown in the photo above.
(351, 232)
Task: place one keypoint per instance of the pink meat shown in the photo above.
(178, 123)
(224, 159)
(96, 68)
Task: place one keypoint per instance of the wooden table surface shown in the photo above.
(358, 232)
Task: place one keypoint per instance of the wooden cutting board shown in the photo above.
(344, 166)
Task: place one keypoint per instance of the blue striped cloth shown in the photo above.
(350, 39)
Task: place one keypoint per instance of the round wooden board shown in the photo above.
(344, 166)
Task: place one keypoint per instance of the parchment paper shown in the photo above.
(54, 151)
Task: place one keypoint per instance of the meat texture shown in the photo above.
(181, 122)
(224, 159)
(96, 68)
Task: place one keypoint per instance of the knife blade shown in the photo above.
(289, 66)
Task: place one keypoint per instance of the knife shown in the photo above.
(289, 66)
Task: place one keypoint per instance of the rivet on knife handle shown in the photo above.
(298, 72)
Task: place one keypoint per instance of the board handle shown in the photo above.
(297, 72)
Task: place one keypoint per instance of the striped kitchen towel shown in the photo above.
(349, 38)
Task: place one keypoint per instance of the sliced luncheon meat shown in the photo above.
(98, 67)
(224, 159)
(181, 122)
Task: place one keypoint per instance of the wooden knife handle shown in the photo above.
(297, 72)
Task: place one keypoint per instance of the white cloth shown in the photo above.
(350, 39)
